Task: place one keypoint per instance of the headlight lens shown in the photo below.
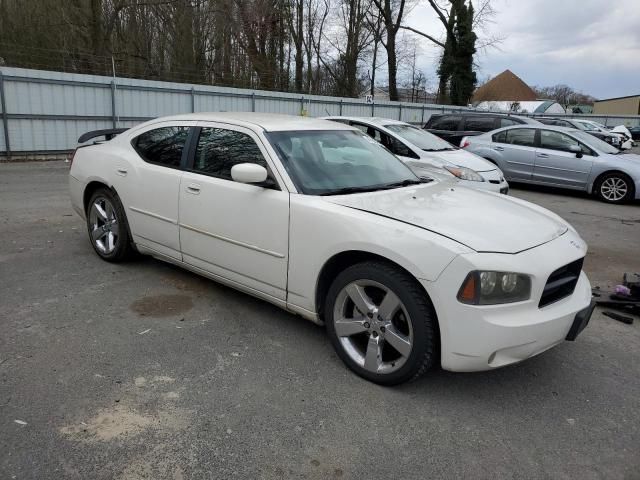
(464, 173)
(494, 288)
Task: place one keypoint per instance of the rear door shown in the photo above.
(151, 184)
(556, 165)
(516, 149)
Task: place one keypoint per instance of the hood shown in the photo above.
(461, 158)
(484, 222)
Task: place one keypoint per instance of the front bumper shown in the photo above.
(475, 338)
(493, 182)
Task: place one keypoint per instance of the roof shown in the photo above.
(270, 122)
(505, 86)
(373, 120)
(617, 98)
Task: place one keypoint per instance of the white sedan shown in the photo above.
(425, 153)
(321, 220)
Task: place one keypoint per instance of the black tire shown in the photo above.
(122, 247)
(424, 324)
(604, 192)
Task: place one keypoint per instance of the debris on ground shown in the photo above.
(624, 297)
(617, 316)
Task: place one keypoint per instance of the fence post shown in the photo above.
(301, 104)
(340, 107)
(253, 101)
(5, 118)
(422, 123)
(193, 100)
(113, 104)
(400, 112)
(373, 108)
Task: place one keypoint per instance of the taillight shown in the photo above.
(464, 143)
(72, 157)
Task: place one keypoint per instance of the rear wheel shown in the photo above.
(381, 323)
(615, 188)
(107, 226)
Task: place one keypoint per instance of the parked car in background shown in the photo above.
(635, 132)
(419, 149)
(561, 157)
(319, 219)
(610, 138)
(452, 127)
(591, 126)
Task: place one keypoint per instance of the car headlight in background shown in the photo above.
(464, 173)
(493, 288)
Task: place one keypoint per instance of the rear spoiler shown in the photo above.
(108, 134)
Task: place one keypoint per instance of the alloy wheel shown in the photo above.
(373, 326)
(614, 189)
(104, 227)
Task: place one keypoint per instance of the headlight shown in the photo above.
(464, 173)
(493, 288)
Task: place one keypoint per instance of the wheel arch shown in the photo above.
(343, 260)
(91, 188)
(600, 176)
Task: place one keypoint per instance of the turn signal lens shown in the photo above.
(494, 288)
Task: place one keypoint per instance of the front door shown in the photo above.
(234, 230)
(555, 164)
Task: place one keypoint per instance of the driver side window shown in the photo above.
(559, 141)
(219, 149)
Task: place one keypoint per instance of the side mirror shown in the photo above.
(576, 149)
(248, 173)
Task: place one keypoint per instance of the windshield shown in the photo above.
(587, 126)
(594, 142)
(327, 162)
(420, 138)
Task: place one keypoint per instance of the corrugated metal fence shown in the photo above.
(46, 112)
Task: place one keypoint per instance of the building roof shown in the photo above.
(617, 98)
(506, 86)
(537, 106)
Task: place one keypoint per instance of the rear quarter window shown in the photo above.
(446, 122)
(479, 124)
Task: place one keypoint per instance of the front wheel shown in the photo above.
(615, 188)
(381, 323)
(107, 226)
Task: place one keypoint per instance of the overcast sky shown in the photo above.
(591, 45)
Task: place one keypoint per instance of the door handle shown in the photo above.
(121, 171)
(542, 155)
(499, 149)
(193, 188)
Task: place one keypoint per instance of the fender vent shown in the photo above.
(561, 283)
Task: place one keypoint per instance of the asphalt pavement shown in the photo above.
(143, 370)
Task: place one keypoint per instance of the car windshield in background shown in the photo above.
(420, 138)
(594, 142)
(326, 162)
(586, 126)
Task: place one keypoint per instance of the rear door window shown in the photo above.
(524, 137)
(446, 122)
(479, 123)
(162, 146)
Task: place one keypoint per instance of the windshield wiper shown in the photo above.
(386, 186)
(439, 149)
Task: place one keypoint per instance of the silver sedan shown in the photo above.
(560, 157)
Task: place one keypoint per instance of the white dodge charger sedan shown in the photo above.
(321, 220)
